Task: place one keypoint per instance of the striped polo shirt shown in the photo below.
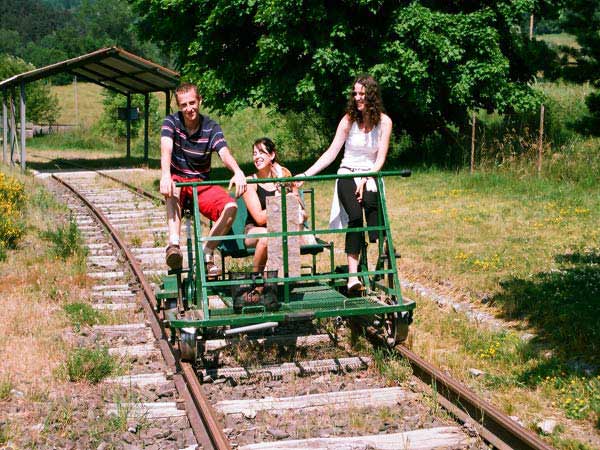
(191, 155)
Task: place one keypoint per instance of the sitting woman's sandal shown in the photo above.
(212, 270)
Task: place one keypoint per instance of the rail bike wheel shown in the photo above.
(169, 307)
(394, 326)
(188, 344)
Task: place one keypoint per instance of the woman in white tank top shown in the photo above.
(364, 132)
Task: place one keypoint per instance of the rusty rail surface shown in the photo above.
(492, 424)
(201, 415)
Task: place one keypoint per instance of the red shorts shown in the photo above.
(211, 199)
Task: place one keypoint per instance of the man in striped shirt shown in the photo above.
(187, 142)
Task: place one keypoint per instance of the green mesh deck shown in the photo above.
(314, 301)
(308, 298)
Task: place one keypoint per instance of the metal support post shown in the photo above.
(23, 127)
(13, 126)
(128, 126)
(146, 119)
(4, 124)
(167, 103)
(76, 102)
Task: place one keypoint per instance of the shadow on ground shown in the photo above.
(93, 164)
(563, 305)
(217, 173)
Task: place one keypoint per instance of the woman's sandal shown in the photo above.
(354, 287)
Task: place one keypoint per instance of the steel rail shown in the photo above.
(202, 418)
(492, 424)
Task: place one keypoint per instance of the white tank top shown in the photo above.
(360, 151)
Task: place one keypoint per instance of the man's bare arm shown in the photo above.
(239, 179)
(166, 149)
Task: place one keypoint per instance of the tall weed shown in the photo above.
(67, 241)
(91, 365)
(6, 385)
(43, 200)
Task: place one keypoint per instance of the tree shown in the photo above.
(434, 59)
(33, 19)
(42, 105)
(582, 18)
(43, 33)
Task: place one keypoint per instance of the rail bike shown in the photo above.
(198, 309)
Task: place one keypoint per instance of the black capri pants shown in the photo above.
(346, 188)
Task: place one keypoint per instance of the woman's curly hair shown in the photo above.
(373, 103)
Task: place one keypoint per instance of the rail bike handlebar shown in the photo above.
(387, 173)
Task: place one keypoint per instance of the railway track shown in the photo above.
(301, 388)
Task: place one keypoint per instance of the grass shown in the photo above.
(6, 385)
(89, 364)
(523, 378)
(34, 285)
(559, 40)
(392, 367)
(89, 104)
(40, 301)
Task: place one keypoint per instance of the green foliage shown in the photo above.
(593, 103)
(434, 60)
(92, 365)
(297, 136)
(110, 125)
(30, 19)
(83, 314)
(67, 241)
(582, 18)
(43, 33)
(5, 432)
(42, 106)
(6, 385)
(43, 200)
(392, 366)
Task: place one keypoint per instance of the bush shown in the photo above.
(92, 365)
(12, 200)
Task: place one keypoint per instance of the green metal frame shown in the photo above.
(312, 295)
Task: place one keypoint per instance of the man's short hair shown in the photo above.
(186, 87)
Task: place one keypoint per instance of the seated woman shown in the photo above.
(264, 156)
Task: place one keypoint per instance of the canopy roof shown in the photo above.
(112, 68)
